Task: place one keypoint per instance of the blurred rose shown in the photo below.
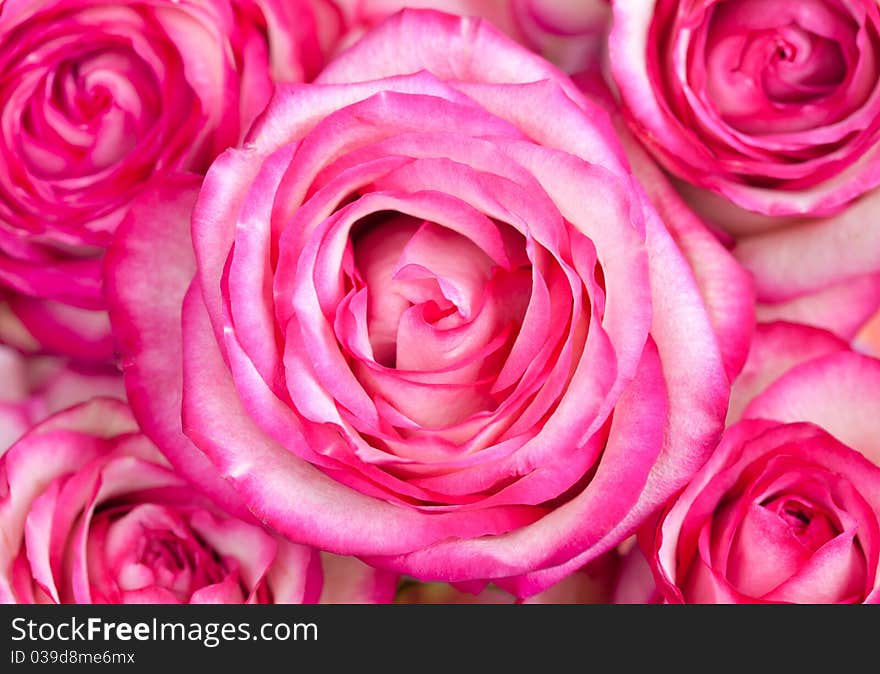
(569, 33)
(97, 99)
(868, 339)
(635, 582)
(446, 319)
(768, 111)
(788, 507)
(34, 388)
(92, 513)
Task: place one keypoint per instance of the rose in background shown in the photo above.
(569, 33)
(36, 387)
(92, 513)
(97, 100)
(449, 322)
(635, 583)
(787, 509)
(767, 112)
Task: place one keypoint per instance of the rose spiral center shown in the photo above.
(790, 537)
(426, 285)
(765, 61)
(807, 523)
(93, 109)
(148, 547)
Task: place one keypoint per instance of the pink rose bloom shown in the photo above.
(768, 112)
(434, 320)
(97, 100)
(37, 387)
(787, 509)
(569, 33)
(92, 513)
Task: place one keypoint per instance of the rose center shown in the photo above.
(797, 519)
(93, 109)
(765, 61)
(151, 546)
(813, 71)
(810, 525)
(425, 283)
(785, 52)
(163, 550)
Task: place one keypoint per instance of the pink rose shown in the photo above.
(769, 114)
(569, 33)
(97, 100)
(788, 507)
(432, 309)
(35, 388)
(92, 513)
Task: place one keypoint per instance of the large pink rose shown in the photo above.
(788, 507)
(768, 111)
(37, 387)
(92, 513)
(97, 99)
(435, 321)
(569, 33)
